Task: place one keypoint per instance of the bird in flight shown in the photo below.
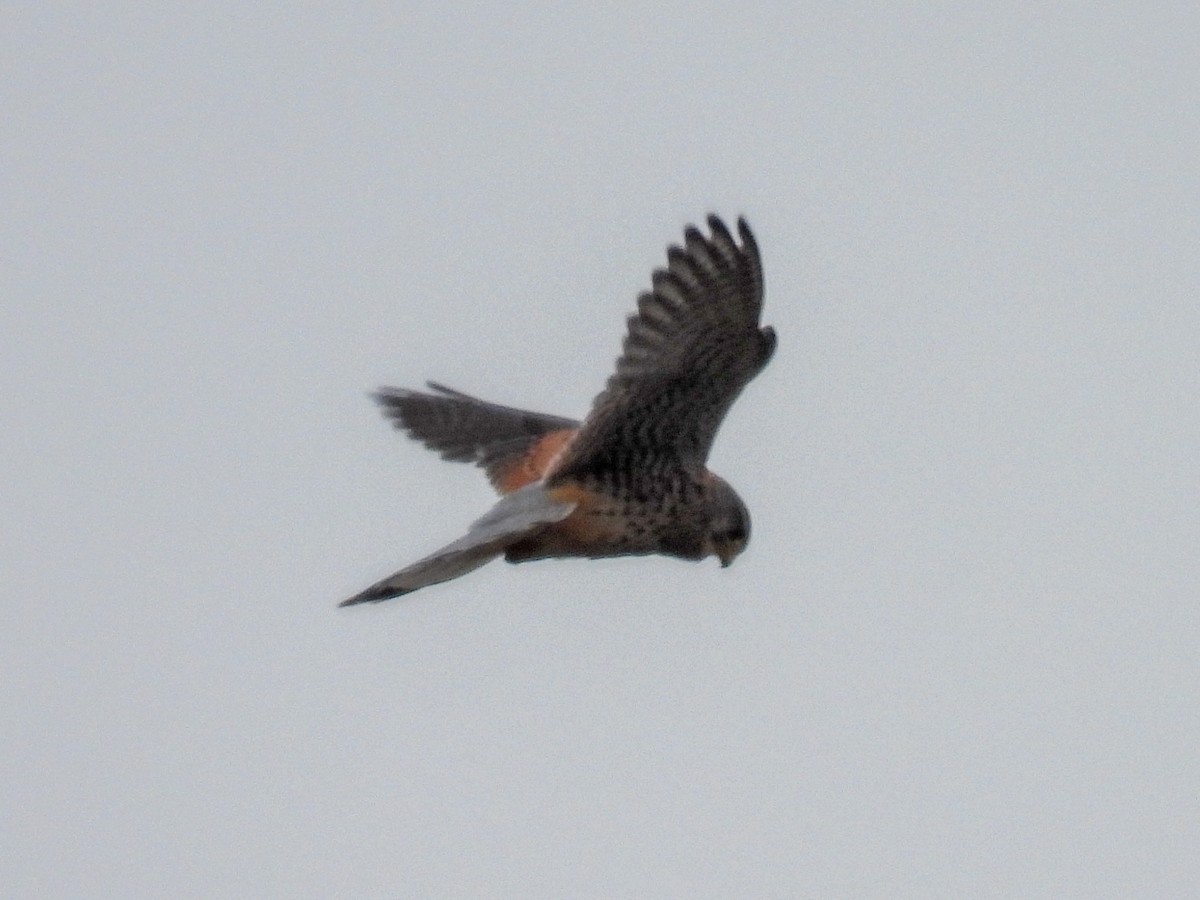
(630, 479)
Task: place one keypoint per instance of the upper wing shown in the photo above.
(694, 343)
(516, 516)
(509, 443)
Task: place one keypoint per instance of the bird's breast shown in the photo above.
(604, 524)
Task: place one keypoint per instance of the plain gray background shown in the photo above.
(961, 657)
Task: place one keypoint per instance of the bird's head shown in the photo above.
(728, 522)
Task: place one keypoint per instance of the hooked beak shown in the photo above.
(726, 555)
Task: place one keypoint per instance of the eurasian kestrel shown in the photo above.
(631, 479)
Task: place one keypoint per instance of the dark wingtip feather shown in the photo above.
(393, 402)
(390, 396)
(449, 391)
(373, 594)
(717, 227)
(745, 233)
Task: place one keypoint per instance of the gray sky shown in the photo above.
(961, 657)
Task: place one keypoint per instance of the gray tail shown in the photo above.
(514, 517)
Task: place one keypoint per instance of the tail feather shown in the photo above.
(447, 563)
(514, 517)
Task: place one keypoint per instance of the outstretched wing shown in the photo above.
(512, 445)
(516, 516)
(694, 343)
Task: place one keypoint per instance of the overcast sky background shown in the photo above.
(961, 657)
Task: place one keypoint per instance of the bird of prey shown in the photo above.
(631, 478)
